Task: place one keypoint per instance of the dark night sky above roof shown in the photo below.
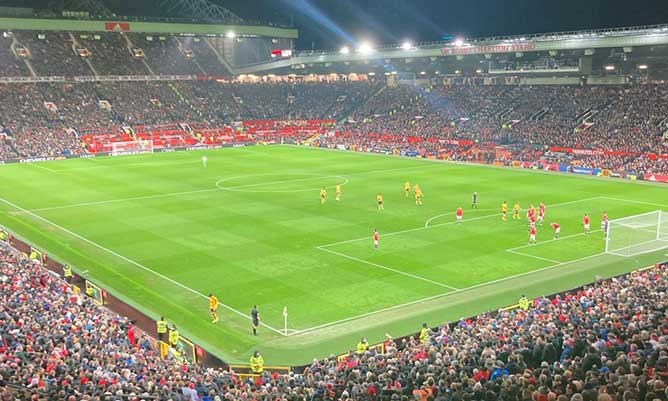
(332, 23)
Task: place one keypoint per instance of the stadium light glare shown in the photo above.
(478, 71)
(423, 72)
(642, 67)
(609, 67)
(407, 45)
(459, 42)
(437, 72)
(372, 73)
(393, 73)
(365, 48)
(344, 50)
(457, 71)
(230, 35)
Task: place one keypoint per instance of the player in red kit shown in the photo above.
(604, 223)
(585, 223)
(460, 214)
(532, 220)
(532, 235)
(531, 213)
(375, 239)
(557, 228)
(541, 213)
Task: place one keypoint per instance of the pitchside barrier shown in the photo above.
(244, 371)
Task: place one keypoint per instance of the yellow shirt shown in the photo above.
(416, 188)
(323, 193)
(338, 189)
(407, 186)
(379, 198)
(213, 302)
(516, 208)
(504, 207)
(418, 193)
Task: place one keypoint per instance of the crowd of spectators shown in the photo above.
(10, 64)
(53, 54)
(111, 54)
(614, 119)
(604, 342)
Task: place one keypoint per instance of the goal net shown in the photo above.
(637, 234)
(131, 147)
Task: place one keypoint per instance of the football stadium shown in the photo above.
(205, 200)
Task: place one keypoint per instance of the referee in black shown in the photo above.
(255, 318)
(474, 200)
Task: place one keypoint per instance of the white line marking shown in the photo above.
(443, 224)
(43, 167)
(500, 280)
(426, 224)
(124, 199)
(131, 261)
(550, 241)
(533, 256)
(389, 269)
(635, 201)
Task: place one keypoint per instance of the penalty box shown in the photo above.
(480, 249)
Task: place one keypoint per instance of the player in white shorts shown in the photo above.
(204, 160)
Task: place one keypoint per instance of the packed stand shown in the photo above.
(111, 54)
(165, 55)
(53, 54)
(11, 65)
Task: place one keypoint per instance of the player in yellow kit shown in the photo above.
(338, 192)
(516, 211)
(418, 197)
(407, 188)
(504, 210)
(323, 196)
(416, 188)
(213, 307)
(379, 198)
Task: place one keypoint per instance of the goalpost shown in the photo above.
(635, 235)
(131, 147)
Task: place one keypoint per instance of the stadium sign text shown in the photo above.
(456, 51)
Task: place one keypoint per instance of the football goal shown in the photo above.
(131, 147)
(634, 235)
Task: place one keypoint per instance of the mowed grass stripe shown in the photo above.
(261, 247)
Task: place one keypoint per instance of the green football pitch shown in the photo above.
(161, 232)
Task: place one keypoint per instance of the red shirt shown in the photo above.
(532, 231)
(375, 236)
(542, 208)
(460, 211)
(555, 225)
(533, 218)
(585, 220)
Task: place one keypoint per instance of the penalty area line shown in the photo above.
(446, 294)
(389, 269)
(137, 264)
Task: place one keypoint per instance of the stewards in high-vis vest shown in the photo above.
(362, 346)
(424, 333)
(173, 336)
(257, 363)
(67, 274)
(161, 328)
(524, 303)
(89, 291)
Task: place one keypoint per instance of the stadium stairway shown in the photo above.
(342, 118)
(185, 100)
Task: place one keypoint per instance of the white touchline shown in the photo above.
(131, 261)
(450, 293)
(389, 269)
